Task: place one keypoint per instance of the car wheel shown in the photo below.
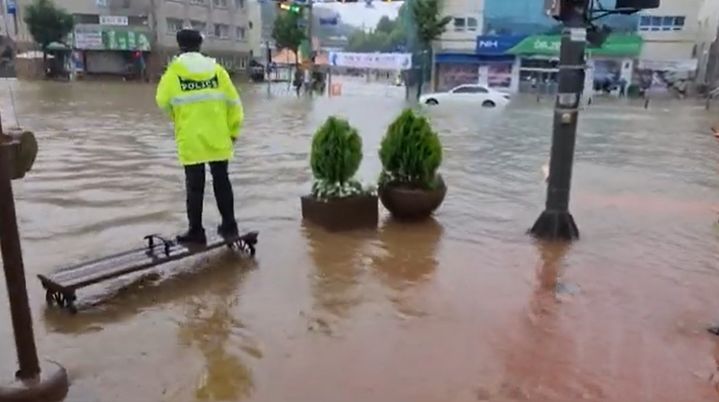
(488, 104)
(432, 102)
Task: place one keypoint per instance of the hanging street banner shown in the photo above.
(375, 61)
(616, 45)
(98, 37)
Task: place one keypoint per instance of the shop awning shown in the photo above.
(616, 45)
(57, 46)
(467, 58)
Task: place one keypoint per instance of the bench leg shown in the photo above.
(64, 300)
(244, 247)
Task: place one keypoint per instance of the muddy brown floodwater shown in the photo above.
(464, 307)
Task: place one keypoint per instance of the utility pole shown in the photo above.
(268, 68)
(556, 222)
(32, 382)
(311, 65)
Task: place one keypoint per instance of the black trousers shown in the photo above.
(195, 186)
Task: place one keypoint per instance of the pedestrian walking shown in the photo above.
(299, 78)
(204, 105)
(622, 87)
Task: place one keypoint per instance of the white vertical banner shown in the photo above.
(588, 82)
(483, 76)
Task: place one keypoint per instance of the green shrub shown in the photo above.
(335, 158)
(411, 152)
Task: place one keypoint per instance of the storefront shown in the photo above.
(111, 49)
(489, 64)
(609, 64)
(663, 76)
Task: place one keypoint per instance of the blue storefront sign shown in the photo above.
(11, 7)
(497, 45)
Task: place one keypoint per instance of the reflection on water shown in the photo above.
(408, 252)
(540, 358)
(127, 297)
(338, 258)
(407, 257)
(452, 309)
(209, 327)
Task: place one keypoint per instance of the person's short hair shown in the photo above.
(189, 39)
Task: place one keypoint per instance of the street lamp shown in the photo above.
(33, 382)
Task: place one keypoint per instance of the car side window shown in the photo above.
(471, 90)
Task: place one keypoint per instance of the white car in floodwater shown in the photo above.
(468, 94)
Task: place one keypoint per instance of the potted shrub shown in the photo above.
(338, 202)
(409, 186)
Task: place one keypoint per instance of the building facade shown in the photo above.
(517, 46)
(517, 49)
(226, 25)
(122, 36)
(670, 34)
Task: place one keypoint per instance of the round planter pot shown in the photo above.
(412, 203)
(339, 214)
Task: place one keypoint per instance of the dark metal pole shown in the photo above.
(15, 273)
(556, 222)
(268, 69)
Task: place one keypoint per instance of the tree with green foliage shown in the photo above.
(430, 25)
(287, 33)
(335, 157)
(386, 25)
(388, 36)
(411, 153)
(47, 23)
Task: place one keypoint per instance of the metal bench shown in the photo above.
(60, 286)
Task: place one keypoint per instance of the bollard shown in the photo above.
(33, 382)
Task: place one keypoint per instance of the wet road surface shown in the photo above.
(464, 307)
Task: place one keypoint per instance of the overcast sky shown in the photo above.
(358, 14)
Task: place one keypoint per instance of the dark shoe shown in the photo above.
(193, 237)
(228, 231)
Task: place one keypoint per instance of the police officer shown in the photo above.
(201, 100)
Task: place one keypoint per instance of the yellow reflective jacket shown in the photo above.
(203, 103)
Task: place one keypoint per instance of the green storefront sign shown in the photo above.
(98, 37)
(113, 39)
(616, 45)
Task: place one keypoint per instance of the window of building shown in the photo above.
(471, 24)
(174, 25)
(240, 33)
(460, 24)
(654, 23)
(220, 3)
(198, 25)
(222, 31)
(239, 3)
(198, 2)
